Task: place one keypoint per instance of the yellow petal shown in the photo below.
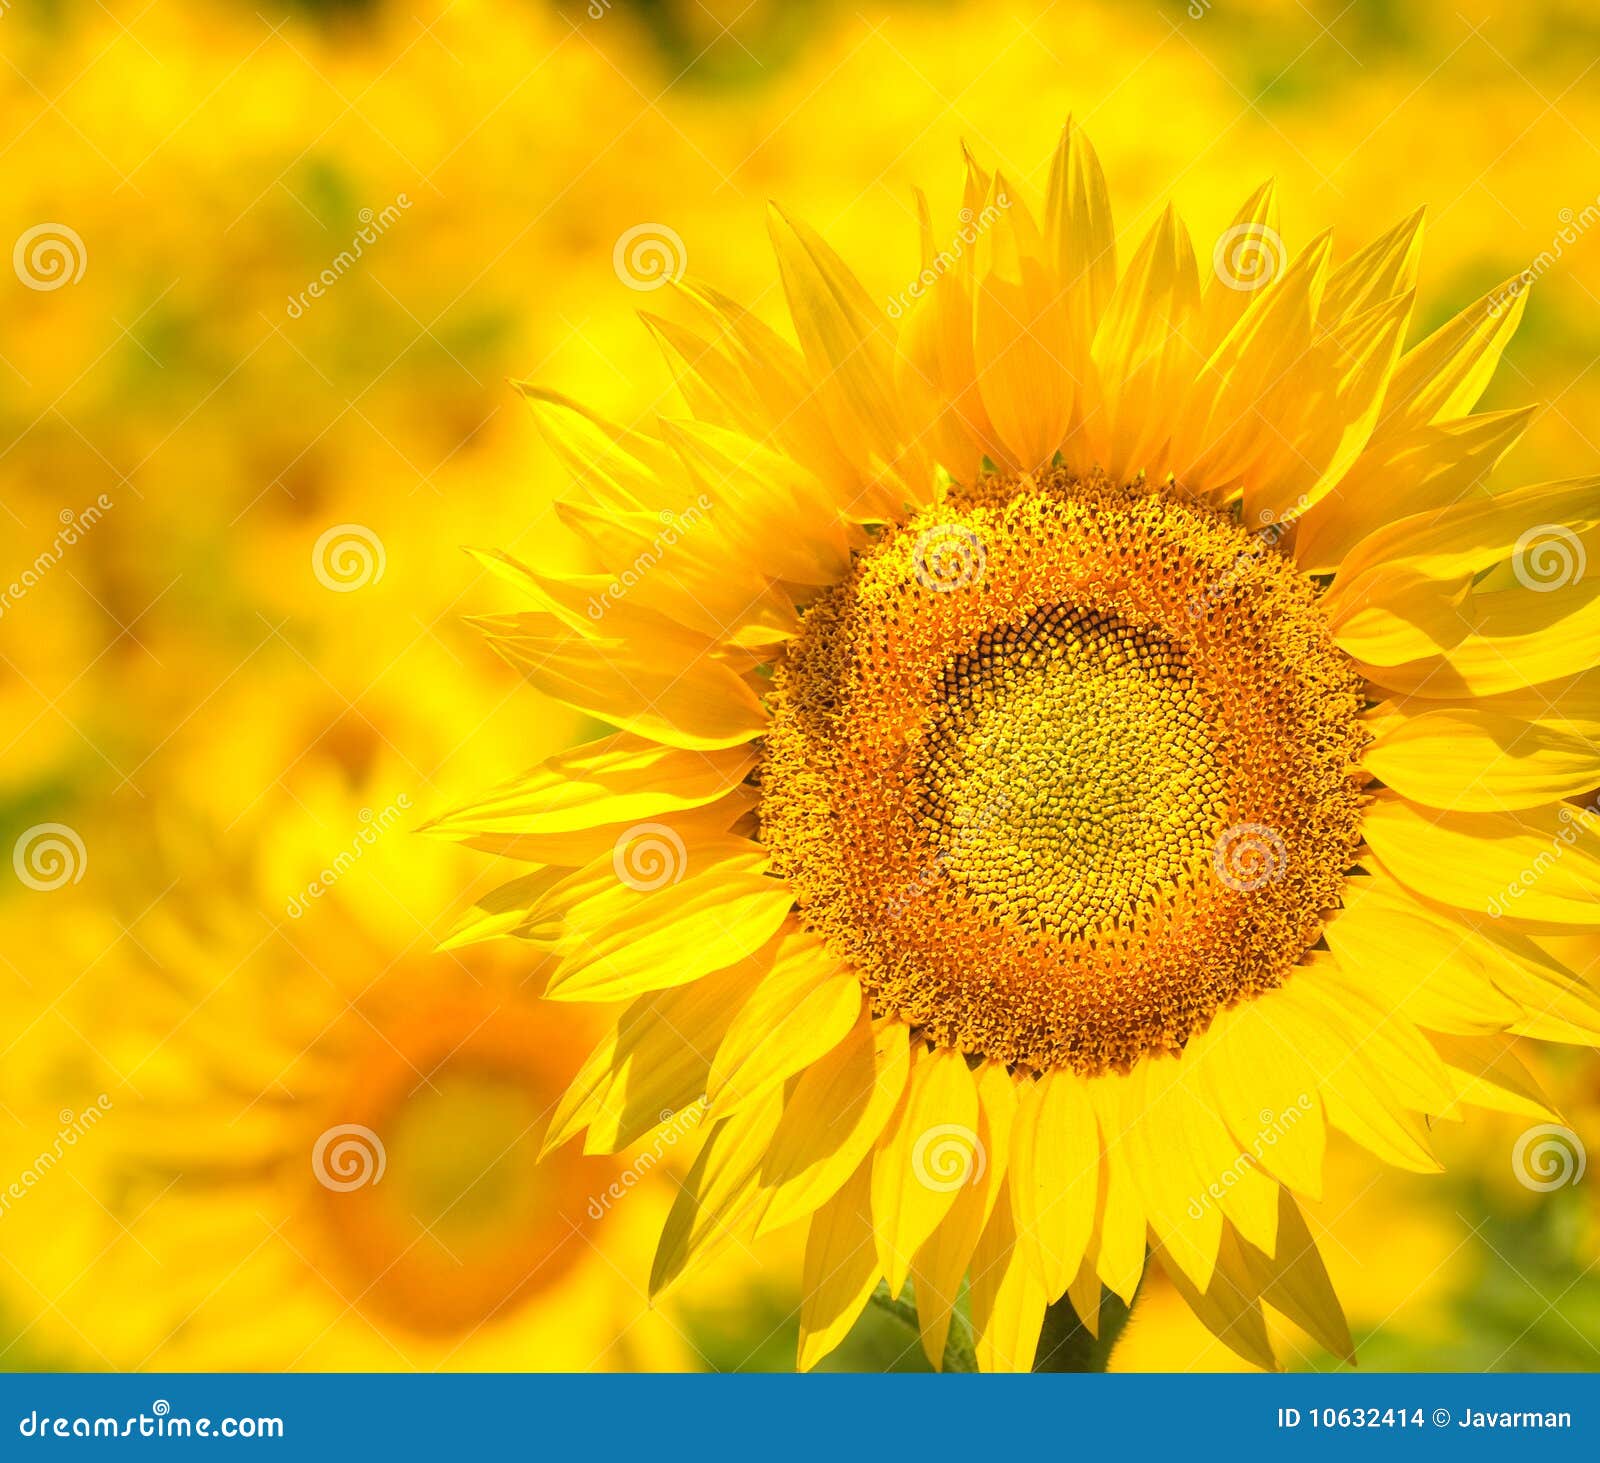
(1055, 1180)
(833, 1118)
(643, 936)
(1446, 374)
(722, 1198)
(800, 1010)
(1538, 865)
(552, 812)
(1228, 1307)
(1384, 268)
(1294, 1280)
(1413, 472)
(1474, 761)
(1487, 1072)
(1021, 335)
(930, 1151)
(940, 1263)
(841, 1268)
(1008, 1301)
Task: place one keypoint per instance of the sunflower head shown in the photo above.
(1072, 725)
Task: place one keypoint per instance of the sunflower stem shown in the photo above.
(1067, 1345)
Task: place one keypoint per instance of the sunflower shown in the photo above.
(1080, 733)
(298, 1140)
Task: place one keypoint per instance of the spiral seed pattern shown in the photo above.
(1002, 807)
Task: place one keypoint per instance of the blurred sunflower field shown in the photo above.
(273, 271)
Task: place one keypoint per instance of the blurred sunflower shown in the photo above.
(319, 1143)
(1068, 753)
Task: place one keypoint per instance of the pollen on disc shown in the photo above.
(1063, 768)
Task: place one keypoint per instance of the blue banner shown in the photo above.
(785, 1417)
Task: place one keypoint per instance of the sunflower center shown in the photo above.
(1067, 776)
(1063, 768)
(438, 1213)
